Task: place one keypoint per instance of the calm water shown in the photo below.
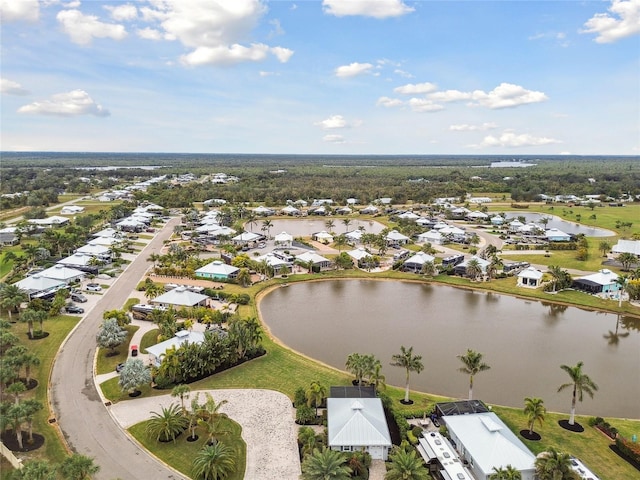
(557, 222)
(525, 342)
(307, 226)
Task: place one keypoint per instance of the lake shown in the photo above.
(524, 341)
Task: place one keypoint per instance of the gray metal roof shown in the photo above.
(357, 422)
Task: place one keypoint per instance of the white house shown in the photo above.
(530, 277)
(318, 260)
(394, 237)
(273, 261)
(358, 254)
(485, 443)
(49, 222)
(181, 297)
(290, 210)
(71, 210)
(108, 232)
(603, 281)
(78, 260)
(356, 424)
(433, 237)
(217, 270)
(283, 239)
(627, 246)
(263, 211)
(246, 237)
(100, 251)
(322, 237)
(157, 352)
(369, 210)
(105, 241)
(416, 262)
(37, 285)
(65, 274)
(555, 235)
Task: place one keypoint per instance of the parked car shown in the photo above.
(262, 245)
(119, 367)
(78, 297)
(93, 287)
(73, 309)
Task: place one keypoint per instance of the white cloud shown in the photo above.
(338, 139)
(389, 102)
(84, 28)
(623, 22)
(336, 122)
(366, 8)
(74, 103)
(511, 139)
(229, 55)
(12, 88)
(463, 127)
(450, 96)
(277, 28)
(416, 88)
(16, 10)
(353, 69)
(507, 95)
(402, 73)
(424, 105)
(215, 31)
(149, 33)
(122, 13)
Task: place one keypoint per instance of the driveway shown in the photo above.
(79, 411)
(267, 424)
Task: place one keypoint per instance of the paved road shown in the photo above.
(84, 420)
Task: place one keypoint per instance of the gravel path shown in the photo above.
(267, 424)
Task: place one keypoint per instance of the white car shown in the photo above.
(93, 287)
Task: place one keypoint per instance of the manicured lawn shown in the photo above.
(181, 453)
(149, 339)
(46, 348)
(105, 363)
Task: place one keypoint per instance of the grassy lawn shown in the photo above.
(58, 328)
(6, 266)
(148, 339)
(180, 454)
(105, 363)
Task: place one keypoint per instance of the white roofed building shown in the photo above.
(434, 237)
(49, 222)
(485, 442)
(317, 260)
(181, 297)
(60, 272)
(322, 237)
(356, 424)
(417, 261)
(79, 260)
(217, 270)
(627, 246)
(555, 235)
(283, 239)
(157, 352)
(530, 277)
(37, 285)
(394, 237)
(603, 281)
(246, 237)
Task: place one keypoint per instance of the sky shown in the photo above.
(392, 77)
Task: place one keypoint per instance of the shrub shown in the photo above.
(417, 431)
(629, 449)
(305, 415)
(299, 397)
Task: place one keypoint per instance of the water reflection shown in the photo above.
(524, 341)
(556, 222)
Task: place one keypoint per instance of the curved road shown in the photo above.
(84, 421)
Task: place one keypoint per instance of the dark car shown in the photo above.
(78, 297)
(119, 367)
(73, 309)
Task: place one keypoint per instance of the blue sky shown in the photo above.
(322, 77)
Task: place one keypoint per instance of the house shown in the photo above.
(416, 262)
(273, 261)
(354, 236)
(477, 216)
(214, 201)
(108, 232)
(157, 352)
(319, 211)
(131, 225)
(318, 261)
(433, 237)
(290, 210)
(322, 237)
(497, 220)
(530, 277)
(453, 233)
(49, 222)
(555, 235)
(484, 442)
(359, 254)
(71, 210)
(321, 201)
(181, 297)
(217, 270)
(283, 239)
(514, 226)
(344, 211)
(356, 424)
(461, 268)
(603, 281)
(105, 241)
(627, 246)
(263, 211)
(9, 236)
(245, 238)
(394, 237)
(66, 274)
(370, 210)
(38, 286)
(99, 251)
(383, 200)
(441, 457)
(81, 261)
(409, 216)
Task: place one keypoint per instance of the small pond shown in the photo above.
(524, 341)
(563, 225)
(304, 227)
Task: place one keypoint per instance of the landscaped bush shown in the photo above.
(629, 450)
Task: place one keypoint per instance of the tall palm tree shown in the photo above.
(36, 470)
(181, 391)
(29, 316)
(581, 383)
(555, 465)
(11, 297)
(308, 439)
(505, 473)
(621, 282)
(167, 424)
(329, 224)
(78, 467)
(410, 362)
(346, 222)
(325, 464)
(214, 462)
(406, 465)
(377, 378)
(472, 365)
(266, 225)
(473, 269)
(357, 364)
(315, 394)
(535, 411)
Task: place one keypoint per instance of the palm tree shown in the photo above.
(36, 470)
(535, 411)
(167, 424)
(555, 465)
(613, 338)
(266, 225)
(15, 415)
(11, 297)
(244, 277)
(406, 465)
(473, 269)
(473, 365)
(182, 391)
(329, 224)
(377, 379)
(626, 259)
(29, 316)
(28, 360)
(505, 473)
(410, 362)
(580, 383)
(78, 467)
(31, 406)
(428, 269)
(325, 464)
(308, 439)
(133, 375)
(315, 394)
(153, 290)
(621, 282)
(604, 247)
(111, 335)
(214, 462)
(346, 222)
(356, 364)
(340, 241)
